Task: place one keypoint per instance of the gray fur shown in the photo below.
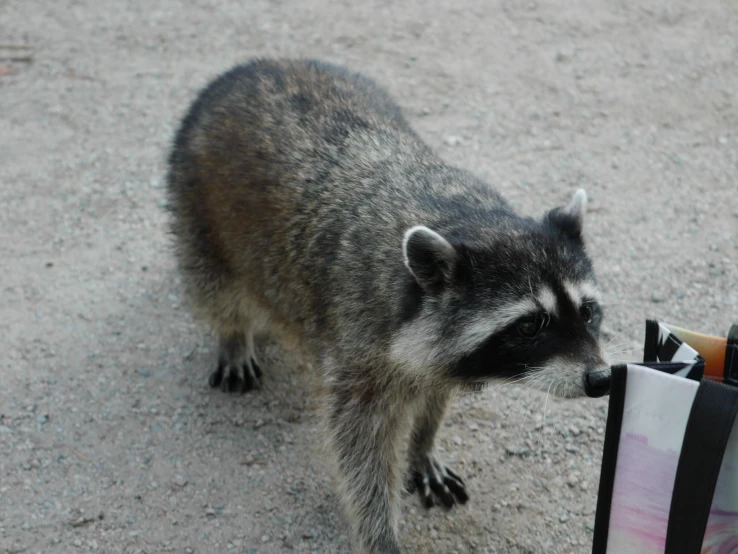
(293, 185)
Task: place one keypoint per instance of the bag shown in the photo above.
(669, 479)
(720, 354)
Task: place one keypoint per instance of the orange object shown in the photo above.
(711, 348)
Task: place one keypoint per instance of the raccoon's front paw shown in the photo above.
(238, 378)
(436, 484)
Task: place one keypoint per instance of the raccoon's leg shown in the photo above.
(238, 370)
(432, 480)
(364, 432)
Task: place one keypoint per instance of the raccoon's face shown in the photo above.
(521, 302)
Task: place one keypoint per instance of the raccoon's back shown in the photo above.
(270, 160)
(267, 117)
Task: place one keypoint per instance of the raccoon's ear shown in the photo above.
(430, 258)
(570, 219)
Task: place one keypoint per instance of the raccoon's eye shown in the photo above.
(586, 312)
(531, 326)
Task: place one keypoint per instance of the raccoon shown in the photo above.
(304, 205)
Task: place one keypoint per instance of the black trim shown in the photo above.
(730, 371)
(709, 425)
(695, 374)
(651, 345)
(609, 458)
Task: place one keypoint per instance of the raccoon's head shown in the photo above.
(518, 299)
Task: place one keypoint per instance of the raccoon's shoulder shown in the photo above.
(455, 199)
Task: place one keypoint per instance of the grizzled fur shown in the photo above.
(304, 205)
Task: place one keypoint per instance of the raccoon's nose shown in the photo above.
(597, 383)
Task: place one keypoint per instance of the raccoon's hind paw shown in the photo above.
(237, 378)
(436, 484)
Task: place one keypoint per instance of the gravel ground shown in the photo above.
(110, 439)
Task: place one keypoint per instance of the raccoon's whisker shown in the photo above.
(518, 441)
(526, 389)
(618, 345)
(623, 351)
(513, 380)
(620, 353)
(543, 423)
(618, 336)
(545, 405)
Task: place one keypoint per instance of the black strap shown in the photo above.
(609, 458)
(651, 344)
(709, 425)
(730, 372)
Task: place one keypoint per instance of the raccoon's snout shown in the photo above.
(597, 383)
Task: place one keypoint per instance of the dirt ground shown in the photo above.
(111, 440)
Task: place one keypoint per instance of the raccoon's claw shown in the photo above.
(236, 378)
(435, 483)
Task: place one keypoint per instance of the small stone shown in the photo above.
(457, 440)
(143, 372)
(572, 448)
(723, 140)
(162, 203)
(452, 141)
(155, 428)
(265, 538)
(572, 480)
(657, 298)
(426, 111)
(77, 542)
(563, 518)
(42, 419)
(209, 511)
(517, 450)
(473, 427)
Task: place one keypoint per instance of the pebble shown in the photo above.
(265, 538)
(452, 141)
(143, 372)
(517, 450)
